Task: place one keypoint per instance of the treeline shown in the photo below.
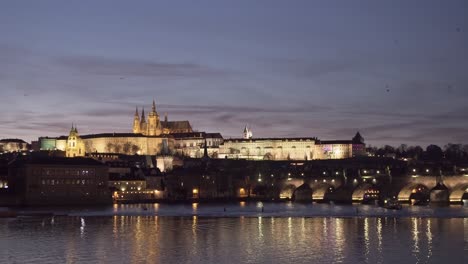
(450, 152)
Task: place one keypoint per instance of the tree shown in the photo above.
(135, 149)
(117, 148)
(414, 152)
(453, 152)
(434, 153)
(109, 147)
(127, 147)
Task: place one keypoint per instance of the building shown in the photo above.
(150, 137)
(129, 183)
(290, 148)
(13, 145)
(38, 180)
(268, 148)
(155, 127)
(191, 144)
(247, 133)
(75, 146)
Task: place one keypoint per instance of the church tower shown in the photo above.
(247, 133)
(154, 124)
(136, 123)
(143, 125)
(75, 145)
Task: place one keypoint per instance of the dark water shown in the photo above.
(242, 234)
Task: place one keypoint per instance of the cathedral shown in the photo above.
(155, 127)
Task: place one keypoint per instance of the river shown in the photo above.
(237, 233)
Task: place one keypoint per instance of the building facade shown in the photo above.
(192, 144)
(13, 145)
(291, 148)
(56, 181)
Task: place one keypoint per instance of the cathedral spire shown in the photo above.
(136, 112)
(143, 114)
(154, 107)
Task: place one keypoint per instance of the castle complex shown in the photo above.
(152, 136)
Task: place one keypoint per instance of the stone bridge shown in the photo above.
(357, 189)
(456, 187)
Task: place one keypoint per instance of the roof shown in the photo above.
(125, 177)
(214, 135)
(277, 139)
(107, 135)
(12, 140)
(43, 160)
(177, 125)
(331, 142)
(196, 135)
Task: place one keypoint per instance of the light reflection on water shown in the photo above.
(155, 239)
(238, 233)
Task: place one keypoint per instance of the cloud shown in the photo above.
(132, 67)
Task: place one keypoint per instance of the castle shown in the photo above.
(152, 136)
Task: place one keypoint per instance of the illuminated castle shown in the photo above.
(155, 127)
(152, 136)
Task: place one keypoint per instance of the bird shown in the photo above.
(121, 78)
(458, 29)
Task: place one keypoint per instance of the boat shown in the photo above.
(392, 204)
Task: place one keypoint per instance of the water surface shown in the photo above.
(137, 234)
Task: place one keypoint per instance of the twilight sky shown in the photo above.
(395, 70)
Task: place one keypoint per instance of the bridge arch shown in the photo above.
(320, 191)
(458, 193)
(409, 192)
(287, 191)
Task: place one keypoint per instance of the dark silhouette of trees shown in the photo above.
(433, 153)
(454, 153)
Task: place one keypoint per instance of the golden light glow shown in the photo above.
(195, 191)
(241, 192)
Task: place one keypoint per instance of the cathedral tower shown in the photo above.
(136, 123)
(154, 124)
(75, 145)
(143, 125)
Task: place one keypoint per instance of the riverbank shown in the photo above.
(244, 209)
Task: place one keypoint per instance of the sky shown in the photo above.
(394, 70)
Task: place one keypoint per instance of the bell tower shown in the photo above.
(143, 124)
(136, 123)
(75, 145)
(154, 124)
